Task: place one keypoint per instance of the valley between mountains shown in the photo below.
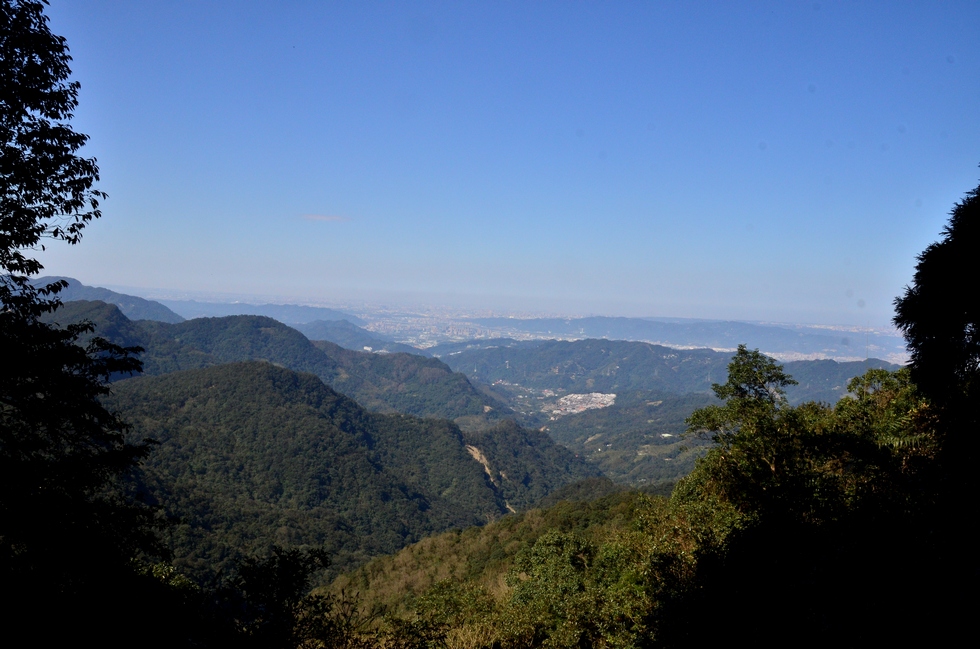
(265, 437)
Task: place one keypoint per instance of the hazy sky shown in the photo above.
(781, 161)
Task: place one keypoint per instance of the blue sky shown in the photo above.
(762, 161)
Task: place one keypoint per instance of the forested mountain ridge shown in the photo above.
(446, 569)
(251, 454)
(792, 502)
(411, 384)
(600, 365)
(134, 308)
(639, 441)
(404, 383)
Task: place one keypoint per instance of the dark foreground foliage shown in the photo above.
(68, 534)
(806, 525)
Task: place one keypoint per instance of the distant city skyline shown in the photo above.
(778, 162)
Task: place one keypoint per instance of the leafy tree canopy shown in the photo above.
(940, 323)
(47, 188)
(940, 317)
(64, 530)
(753, 376)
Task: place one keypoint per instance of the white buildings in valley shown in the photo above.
(573, 403)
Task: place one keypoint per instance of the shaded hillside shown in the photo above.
(404, 383)
(410, 384)
(525, 465)
(593, 366)
(479, 558)
(250, 454)
(109, 321)
(134, 308)
(827, 380)
(640, 440)
(350, 336)
(617, 366)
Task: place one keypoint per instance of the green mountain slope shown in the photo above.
(638, 441)
(463, 561)
(404, 383)
(618, 366)
(209, 341)
(251, 454)
(826, 380)
(109, 321)
(593, 366)
(525, 465)
(410, 384)
(134, 308)
(350, 336)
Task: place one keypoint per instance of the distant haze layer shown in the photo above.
(739, 161)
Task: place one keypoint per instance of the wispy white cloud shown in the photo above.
(324, 217)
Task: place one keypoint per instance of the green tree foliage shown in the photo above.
(404, 383)
(753, 378)
(67, 533)
(576, 573)
(275, 594)
(622, 367)
(801, 514)
(940, 317)
(802, 526)
(250, 455)
(48, 188)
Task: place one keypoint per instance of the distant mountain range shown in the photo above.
(346, 334)
(403, 383)
(638, 440)
(314, 322)
(598, 365)
(474, 387)
(785, 342)
(253, 448)
(286, 313)
(479, 384)
(134, 308)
